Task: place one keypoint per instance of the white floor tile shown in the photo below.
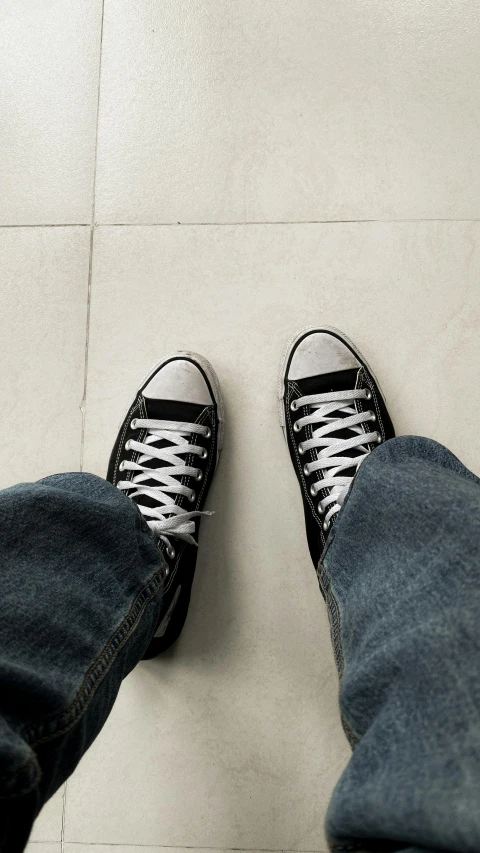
(43, 303)
(259, 110)
(46, 847)
(406, 293)
(49, 58)
(233, 739)
(48, 825)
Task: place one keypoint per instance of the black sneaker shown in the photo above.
(164, 459)
(333, 415)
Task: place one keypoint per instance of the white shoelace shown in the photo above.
(168, 519)
(334, 411)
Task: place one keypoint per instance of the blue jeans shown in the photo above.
(81, 596)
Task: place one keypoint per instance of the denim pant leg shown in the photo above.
(81, 584)
(401, 576)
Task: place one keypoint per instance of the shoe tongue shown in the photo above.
(165, 410)
(341, 380)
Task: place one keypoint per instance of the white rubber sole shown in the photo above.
(212, 378)
(286, 355)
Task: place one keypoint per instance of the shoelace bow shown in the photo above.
(325, 410)
(167, 519)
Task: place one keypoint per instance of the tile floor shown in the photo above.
(215, 174)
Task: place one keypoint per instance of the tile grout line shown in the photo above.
(275, 222)
(233, 222)
(87, 335)
(191, 847)
(64, 806)
(87, 341)
(49, 225)
(90, 261)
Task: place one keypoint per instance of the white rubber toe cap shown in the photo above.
(318, 353)
(179, 380)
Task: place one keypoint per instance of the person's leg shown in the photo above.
(401, 576)
(91, 581)
(81, 585)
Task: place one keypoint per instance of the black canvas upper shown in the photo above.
(355, 378)
(181, 569)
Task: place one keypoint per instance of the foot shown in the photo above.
(164, 459)
(333, 415)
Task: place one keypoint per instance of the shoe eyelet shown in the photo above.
(203, 454)
(166, 572)
(293, 406)
(368, 394)
(199, 475)
(192, 496)
(133, 424)
(378, 438)
(320, 509)
(296, 427)
(300, 449)
(121, 467)
(373, 417)
(313, 490)
(325, 525)
(170, 552)
(128, 445)
(306, 470)
(208, 433)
